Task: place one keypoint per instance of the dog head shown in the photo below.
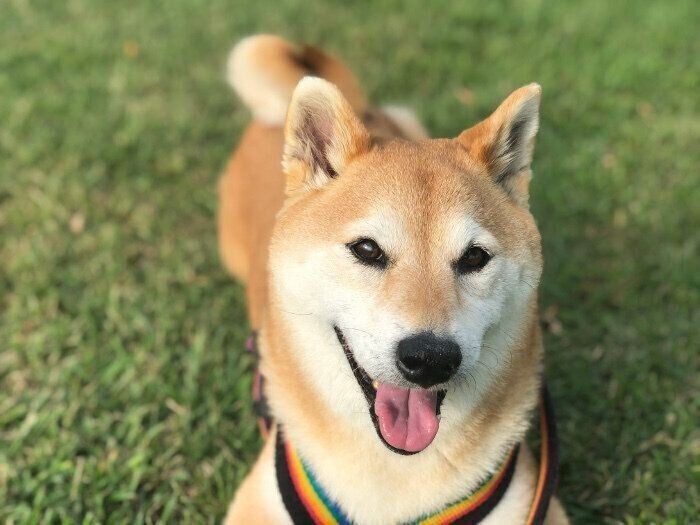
(404, 270)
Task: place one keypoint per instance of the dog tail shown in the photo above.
(264, 70)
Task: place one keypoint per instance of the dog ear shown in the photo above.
(321, 135)
(504, 142)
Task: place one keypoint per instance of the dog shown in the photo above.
(392, 279)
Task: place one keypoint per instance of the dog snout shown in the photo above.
(426, 359)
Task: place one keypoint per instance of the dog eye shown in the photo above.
(368, 252)
(474, 259)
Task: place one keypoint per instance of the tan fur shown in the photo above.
(264, 69)
(425, 183)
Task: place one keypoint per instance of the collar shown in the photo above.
(307, 502)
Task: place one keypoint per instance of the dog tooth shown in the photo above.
(375, 384)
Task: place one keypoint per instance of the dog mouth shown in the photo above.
(405, 419)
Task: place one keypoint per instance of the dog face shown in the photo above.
(406, 268)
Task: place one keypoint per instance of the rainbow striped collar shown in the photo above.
(308, 503)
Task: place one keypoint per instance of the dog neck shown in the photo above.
(356, 469)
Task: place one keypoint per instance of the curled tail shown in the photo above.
(264, 69)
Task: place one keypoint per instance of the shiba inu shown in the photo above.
(392, 279)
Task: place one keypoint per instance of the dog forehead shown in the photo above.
(417, 183)
(430, 188)
(407, 176)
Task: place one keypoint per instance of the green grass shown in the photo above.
(123, 388)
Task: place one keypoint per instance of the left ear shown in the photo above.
(504, 142)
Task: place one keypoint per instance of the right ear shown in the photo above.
(321, 135)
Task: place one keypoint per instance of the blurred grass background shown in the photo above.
(123, 388)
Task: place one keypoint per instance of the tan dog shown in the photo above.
(393, 281)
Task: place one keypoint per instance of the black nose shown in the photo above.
(427, 360)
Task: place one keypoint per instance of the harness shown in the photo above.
(308, 503)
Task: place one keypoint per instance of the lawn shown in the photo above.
(123, 387)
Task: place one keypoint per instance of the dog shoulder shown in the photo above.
(258, 500)
(515, 505)
(556, 514)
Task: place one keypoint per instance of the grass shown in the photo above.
(123, 388)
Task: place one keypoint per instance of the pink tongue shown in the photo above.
(407, 418)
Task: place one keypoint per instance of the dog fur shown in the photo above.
(319, 167)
